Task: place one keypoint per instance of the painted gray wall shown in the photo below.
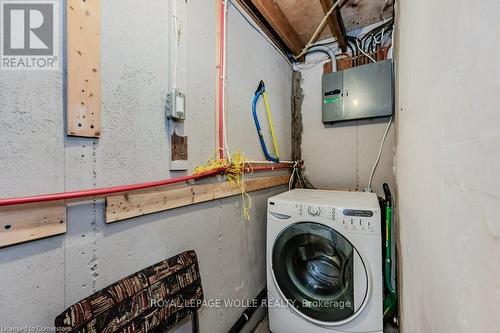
(41, 278)
(448, 165)
(341, 156)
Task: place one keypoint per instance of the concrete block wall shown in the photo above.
(448, 165)
(41, 278)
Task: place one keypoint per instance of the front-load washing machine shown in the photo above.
(324, 262)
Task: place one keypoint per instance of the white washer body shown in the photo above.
(340, 216)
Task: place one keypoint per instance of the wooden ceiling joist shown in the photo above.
(249, 8)
(273, 14)
(336, 27)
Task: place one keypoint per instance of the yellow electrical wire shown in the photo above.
(234, 170)
(212, 163)
(270, 118)
(235, 176)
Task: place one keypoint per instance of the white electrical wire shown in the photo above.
(291, 177)
(381, 38)
(361, 49)
(290, 182)
(369, 188)
(318, 30)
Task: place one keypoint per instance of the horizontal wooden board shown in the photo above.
(19, 224)
(133, 204)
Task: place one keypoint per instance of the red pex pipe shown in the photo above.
(220, 77)
(104, 190)
(126, 188)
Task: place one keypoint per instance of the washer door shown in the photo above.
(320, 273)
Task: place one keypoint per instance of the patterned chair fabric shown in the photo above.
(152, 300)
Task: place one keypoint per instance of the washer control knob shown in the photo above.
(314, 210)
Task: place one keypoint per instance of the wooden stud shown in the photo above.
(344, 63)
(333, 23)
(273, 14)
(133, 204)
(179, 147)
(84, 79)
(327, 67)
(19, 224)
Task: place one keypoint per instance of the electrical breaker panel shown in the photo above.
(358, 93)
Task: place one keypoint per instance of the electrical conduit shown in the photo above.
(261, 91)
(327, 50)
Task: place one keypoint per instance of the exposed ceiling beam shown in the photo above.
(335, 26)
(278, 21)
(262, 23)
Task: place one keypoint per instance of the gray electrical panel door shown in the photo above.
(333, 104)
(358, 93)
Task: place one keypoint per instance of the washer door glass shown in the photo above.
(316, 269)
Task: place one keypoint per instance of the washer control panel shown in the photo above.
(351, 220)
(358, 224)
(316, 211)
(358, 220)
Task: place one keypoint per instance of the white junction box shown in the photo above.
(176, 105)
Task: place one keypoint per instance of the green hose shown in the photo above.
(391, 298)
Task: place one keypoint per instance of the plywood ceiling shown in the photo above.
(305, 15)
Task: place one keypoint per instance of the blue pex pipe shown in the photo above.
(258, 94)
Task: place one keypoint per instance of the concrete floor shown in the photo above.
(263, 327)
